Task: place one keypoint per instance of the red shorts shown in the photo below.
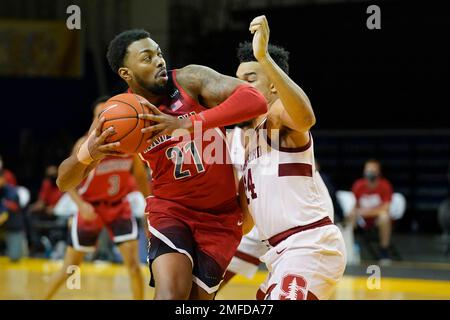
(117, 219)
(209, 239)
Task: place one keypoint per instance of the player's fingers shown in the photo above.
(98, 129)
(153, 109)
(149, 116)
(114, 153)
(156, 127)
(109, 147)
(257, 19)
(255, 27)
(105, 134)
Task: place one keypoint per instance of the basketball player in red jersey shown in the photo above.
(101, 199)
(194, 219)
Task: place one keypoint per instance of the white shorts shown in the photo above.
(306, 265)
(246, 259)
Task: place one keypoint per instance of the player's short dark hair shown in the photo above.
(373, 160)
(278, 54)
(100, 99)
(117, 49)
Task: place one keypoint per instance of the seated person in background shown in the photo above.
(8, 175)
(373, 195)
(11, 219)
(49, 193)
(444, 217)
(41, 212)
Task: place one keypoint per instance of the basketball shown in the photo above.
(121, 112)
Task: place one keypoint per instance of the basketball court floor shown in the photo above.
(28, 278)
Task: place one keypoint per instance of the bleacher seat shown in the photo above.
(24, 196)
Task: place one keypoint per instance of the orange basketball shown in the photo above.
(121, 112)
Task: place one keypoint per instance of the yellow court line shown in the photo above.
(348, 283)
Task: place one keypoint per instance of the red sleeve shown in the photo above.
(45, 190)
(386, 191)
(243, 104)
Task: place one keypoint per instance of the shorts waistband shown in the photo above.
(106, 202)
(276, 239)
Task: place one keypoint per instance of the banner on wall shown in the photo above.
(39, 49)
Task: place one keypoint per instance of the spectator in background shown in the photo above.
(373, 195)
(8, 175)
(49, 193)
(444, 217)
(41, 211)
(11, 219)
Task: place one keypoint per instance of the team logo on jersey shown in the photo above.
(174, 93)
(293, 287)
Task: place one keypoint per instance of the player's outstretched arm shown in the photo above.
(230, 101)
(298, 114)
(85, 156)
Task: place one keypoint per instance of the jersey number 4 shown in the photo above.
(249, 185)
(179, 154)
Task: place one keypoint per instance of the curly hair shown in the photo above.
(278, 54)
(118, 47)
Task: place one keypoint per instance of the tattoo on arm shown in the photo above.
(207, 85)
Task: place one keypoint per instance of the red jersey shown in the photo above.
(49, 193)
(191, 170)
(109, 181)
(10, 177)
(371, 198)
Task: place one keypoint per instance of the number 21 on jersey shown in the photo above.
(179, 154)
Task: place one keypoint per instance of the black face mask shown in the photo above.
(371, 176)
(52, 180)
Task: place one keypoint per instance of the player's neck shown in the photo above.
(258, 120)
(152, 98)
(373, 184)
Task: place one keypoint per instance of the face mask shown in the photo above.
(52, 179)
(371, 176)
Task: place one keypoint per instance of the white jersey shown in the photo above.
(237, 150)
(282, 186)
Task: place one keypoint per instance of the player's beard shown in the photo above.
(154, 88)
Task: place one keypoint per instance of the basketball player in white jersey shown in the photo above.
(246, 259)
(286, 197)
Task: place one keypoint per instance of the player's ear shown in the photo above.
(125, 73)
(273, 90)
